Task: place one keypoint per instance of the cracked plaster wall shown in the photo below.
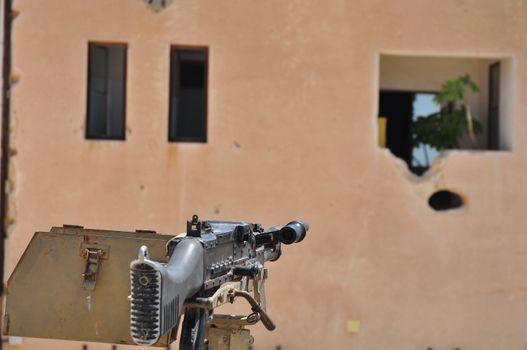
(292, 122)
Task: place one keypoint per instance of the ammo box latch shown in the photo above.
(93, 254)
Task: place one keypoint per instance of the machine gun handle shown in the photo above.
(256, 308)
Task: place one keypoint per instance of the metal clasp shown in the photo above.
(92, 256)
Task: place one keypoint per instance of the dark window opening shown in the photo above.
(188, 95)
(494, 106)
(106, 91)
(445, 200)
(401, 109)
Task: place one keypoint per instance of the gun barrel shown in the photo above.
(293, 232)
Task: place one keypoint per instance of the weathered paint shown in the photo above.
(65, 308)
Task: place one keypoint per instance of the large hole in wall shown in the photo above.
(445, 200)
(415, 127)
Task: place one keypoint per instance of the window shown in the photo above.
(401, 109)
(188, 95)
(106, 91)
(415, 128)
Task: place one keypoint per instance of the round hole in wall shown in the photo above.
(445, 200)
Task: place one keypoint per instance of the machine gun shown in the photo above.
(215, 263)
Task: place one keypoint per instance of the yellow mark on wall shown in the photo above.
(353, 326)
(382, 122)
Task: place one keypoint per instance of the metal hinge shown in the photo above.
(92, 256)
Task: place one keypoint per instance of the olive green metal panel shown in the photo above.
(47, 295)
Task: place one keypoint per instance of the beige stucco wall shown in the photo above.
(295, 84)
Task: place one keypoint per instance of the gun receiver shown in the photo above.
(210, 255)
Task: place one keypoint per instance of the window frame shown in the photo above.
(204, 139)
(122, 136)
(493, 124)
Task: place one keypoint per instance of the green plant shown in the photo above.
(444, 129)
